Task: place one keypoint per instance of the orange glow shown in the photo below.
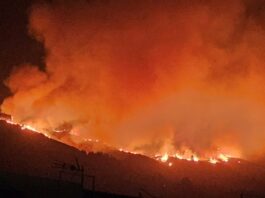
(217, 158)
(188, 154)
(180, 82)
(28, 127)
(25, 126)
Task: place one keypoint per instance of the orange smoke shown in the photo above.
(149, 76)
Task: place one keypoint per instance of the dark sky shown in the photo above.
(16, 46)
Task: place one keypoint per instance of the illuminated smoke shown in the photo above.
(150, 76)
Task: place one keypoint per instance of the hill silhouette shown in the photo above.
(29, 158)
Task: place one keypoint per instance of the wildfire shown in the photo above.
(29, 128)
(178, 156)
(126, 151)
(213, 161)
(10, 120)
(187, 155)
(164, 158)
(193, 158)
(223, 157)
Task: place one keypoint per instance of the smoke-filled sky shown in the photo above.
(151, 76)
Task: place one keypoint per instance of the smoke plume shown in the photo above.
(150, 76)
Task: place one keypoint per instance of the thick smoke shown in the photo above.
(152, 76)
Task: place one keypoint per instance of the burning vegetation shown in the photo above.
(188, 155)
(160, 78)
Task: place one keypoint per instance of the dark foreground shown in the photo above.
(12, 185)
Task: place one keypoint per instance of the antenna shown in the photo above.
(73, 170)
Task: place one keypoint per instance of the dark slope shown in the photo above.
(33, 154)
(29, 153)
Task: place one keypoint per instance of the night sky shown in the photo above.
(17, 46)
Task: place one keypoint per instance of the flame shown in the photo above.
(178, 156)
(28, 127)
(187, 154)
(223, 157)
(164, 158)
(10, 122)
(195, 158)
(176, 69)
(213, 161)
(24, 126)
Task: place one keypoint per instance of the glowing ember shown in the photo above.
(170, 164)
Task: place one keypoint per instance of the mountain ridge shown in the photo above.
(30, 153)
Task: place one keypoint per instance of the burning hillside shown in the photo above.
(27, 153)
(90, 145)
(161, 78)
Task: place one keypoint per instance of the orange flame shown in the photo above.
(213, 161)
(223, 157)
(164, 158)
(187, 154)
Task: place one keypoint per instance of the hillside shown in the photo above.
(31, 154)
